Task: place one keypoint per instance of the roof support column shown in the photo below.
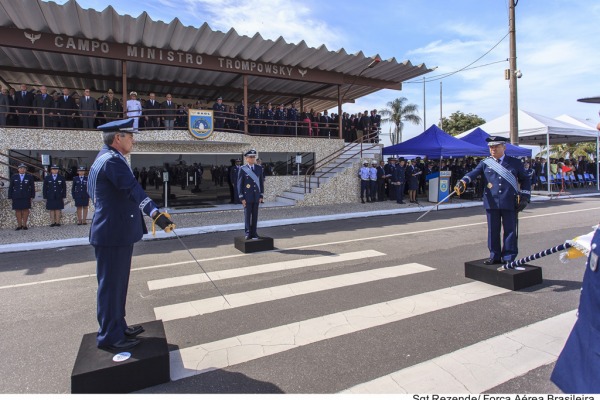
(339, 90)
(124, 70)
(245, 108)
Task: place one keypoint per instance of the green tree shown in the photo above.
(459, 122)
(571, 150)
(397, 113)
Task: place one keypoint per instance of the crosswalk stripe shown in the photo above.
(482, 366)
(214, 304)
(239, 349)
(260, 269)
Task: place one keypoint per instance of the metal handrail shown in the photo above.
(35, 167)
(310, 173)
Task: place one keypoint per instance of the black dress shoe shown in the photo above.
(134, 330)
(24, 228)
(18, 228)
(123, 344)
(491, 261)
(247, 238)
(52, 225)
(56, 224)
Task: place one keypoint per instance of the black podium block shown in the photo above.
(512, 279)
(253, 245)
(96, 372)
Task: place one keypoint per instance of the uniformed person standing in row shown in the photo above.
(373, 180)
(399, 180)
(502, 198)
(80, 195)
(116, 225)
(365, 183)
(219, 113)
(21, 191)
(134, 109)
(390, 191)
(250, 186)
(233, 175)
(381, 178)
(55, 193)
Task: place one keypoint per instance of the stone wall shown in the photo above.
(342, 188)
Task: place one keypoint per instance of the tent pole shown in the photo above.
(548, 160)
(597, 164)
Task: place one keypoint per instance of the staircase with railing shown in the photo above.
(322, 171)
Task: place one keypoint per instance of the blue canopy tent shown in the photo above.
(478, 136)
(434, 143)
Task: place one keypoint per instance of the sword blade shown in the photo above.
(440, 202)
(197, 262)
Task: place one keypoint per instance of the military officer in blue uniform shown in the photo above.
(21, 191)
(250, 186)
(116, 225)
(502, 198)
(364, 174)
(373, 181)
(219, 113)
(280, 117)
(254, 118)
(54, 191)
(577, 369)
(399, 180)
(80, 195)
(388, 169)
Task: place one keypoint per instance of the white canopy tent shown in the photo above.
(536, 129)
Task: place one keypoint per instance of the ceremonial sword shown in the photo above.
(197, 262)
(440, 202)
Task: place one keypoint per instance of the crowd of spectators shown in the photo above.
(66, 108)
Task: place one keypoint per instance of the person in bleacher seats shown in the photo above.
(24, 102)
(280, 117)
(88, 108)
(269, 120)
(4, 106)
(254, 118)
(67, 109)
(134, 110)
(219, 113)
(324, 121)
(292, 120)
(152, 111)
(112, 107)
(43, 105)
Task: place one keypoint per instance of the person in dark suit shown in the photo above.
(169, 112)
(502, 198)
(324, 121)
(21, 191)
(80, 195)
(54, 192)
(4, 107)
(116, 225)
(381, 177)
(250, 186)
(88, 108)
(44, 108)
(152, 111)
(24, 104)
(67, 109)
(399, 180)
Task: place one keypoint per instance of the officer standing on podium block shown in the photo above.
(250, 187)
(502, 198)
(117, 224)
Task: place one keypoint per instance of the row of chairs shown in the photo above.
(568, 180)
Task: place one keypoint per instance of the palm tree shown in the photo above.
(397, 113)
(570, 150)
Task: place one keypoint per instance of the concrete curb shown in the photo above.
(54, 244)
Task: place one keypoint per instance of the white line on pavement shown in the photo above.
(214, 304)
(260, 269)
(482, 366)
(239, 349)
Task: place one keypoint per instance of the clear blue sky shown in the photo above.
(557, 45)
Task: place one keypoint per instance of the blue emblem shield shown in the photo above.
(200, 123)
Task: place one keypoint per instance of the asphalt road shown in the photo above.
(47, 302)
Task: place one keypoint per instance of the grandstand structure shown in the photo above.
(66, 46)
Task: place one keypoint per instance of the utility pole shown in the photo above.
(424, 111)
(514, 108)
(441, 118)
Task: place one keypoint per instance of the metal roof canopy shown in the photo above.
(68, 46)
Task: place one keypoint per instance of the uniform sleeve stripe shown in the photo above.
(144, 203)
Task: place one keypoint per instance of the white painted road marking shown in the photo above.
(239, 349)
(214, 304)
(261, 269)
(482, 366)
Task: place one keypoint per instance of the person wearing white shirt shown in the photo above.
(134, 110)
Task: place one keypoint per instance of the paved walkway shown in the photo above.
(194, 222)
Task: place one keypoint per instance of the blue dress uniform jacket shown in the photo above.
(577, 369)
(499, 200)
(398, 182)
(117, 224)
(54, 191)
(252, 192)
(21, 191)
(119, 201)
(79, 191)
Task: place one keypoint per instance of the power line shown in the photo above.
(463, 68)
(442, 76)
